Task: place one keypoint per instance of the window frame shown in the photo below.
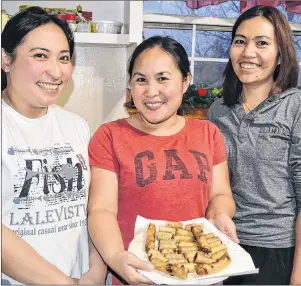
(197, 23)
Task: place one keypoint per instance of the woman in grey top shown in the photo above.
(260, 118)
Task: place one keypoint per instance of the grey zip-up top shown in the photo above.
(264, 158)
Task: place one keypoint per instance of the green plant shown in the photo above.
(200, 96)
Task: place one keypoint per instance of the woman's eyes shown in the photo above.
(65, 58)
(41, 56)
(262, 43)
(238, 41)
(140, 79)
(162, 78)
(242, 42)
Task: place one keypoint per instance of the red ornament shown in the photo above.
(202, 92)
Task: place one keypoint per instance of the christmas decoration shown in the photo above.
(200, 96)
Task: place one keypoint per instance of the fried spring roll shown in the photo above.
(152, 254)
(190, 248)
(189, 266)
(179, 271)
(168, 242)
(215, 243)
(205, 246)
(218, 248)
(150, 237)
(190, 255)
(150, 244)
(202, 258)
(174, 224)
(174, 256)
(187, 244)
(151, 230)
(167, 229)
(164, 235)
(213, 239)
(167, 251)
(209, 235)
(217, 266)
(189, 226)
(197, 230)
(177, 261)
(218, 255)
(200, 270)
(180, 231)
(159, 265)
(183, 238)
(167, 246)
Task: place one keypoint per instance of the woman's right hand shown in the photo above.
(126, 265)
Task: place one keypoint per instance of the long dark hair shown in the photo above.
(285, 74)
(21, 24)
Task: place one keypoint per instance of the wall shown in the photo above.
(99, 79)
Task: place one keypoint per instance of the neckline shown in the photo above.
(143, 133)
(23, 118)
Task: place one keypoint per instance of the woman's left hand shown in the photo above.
(226, 225)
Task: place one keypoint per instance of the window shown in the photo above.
(206, 39)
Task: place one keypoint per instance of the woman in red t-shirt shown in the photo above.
(156, 163)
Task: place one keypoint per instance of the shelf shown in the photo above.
(101, 39)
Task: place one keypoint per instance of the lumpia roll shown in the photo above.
(164, 235)
(174, 256)
(183, 238)
(167, 229)
(174, 224)
(202, 258)
(187, 244)
(180, 231)
(197, 230)
(190, 255)
(189, 266)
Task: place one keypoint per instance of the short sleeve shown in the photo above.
(101, 150)
(219, 152)
(295, 158)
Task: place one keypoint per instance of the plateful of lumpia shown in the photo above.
(185, 249)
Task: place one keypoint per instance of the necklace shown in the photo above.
(243, 102)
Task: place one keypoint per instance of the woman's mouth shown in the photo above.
(154, 105)
(248, 66)
(48, 86)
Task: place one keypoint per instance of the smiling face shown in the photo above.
(41, 67)
(157, 85)
(254, 52)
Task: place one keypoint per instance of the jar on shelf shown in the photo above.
(83, 27)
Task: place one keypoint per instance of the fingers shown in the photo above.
(135, 262)
(133, 277)
(233, 235)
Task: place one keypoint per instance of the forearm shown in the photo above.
(221, 204)
(105, 234)
(296, 273)
(22, 263)
(96, 262)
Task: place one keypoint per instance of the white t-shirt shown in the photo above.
(45, 182)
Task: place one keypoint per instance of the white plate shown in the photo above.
(241, 261)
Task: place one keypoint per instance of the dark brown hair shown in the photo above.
(285, 74)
